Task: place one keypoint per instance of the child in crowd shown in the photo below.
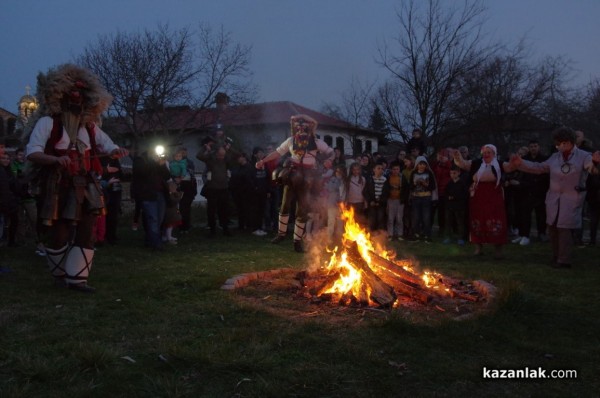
(355, 184)
(336, 194)
(398, 195)
(422, 183)
(172, 215)
(409, 165)
(376, 194)
(457, 199)
(178, 167)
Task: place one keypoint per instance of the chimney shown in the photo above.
(222, 100)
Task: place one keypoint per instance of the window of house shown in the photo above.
(368, 146)
(328, 140)
(339, 142)
(358, 147)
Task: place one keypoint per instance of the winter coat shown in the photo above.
(565, 195)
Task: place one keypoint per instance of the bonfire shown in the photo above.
(360, 271)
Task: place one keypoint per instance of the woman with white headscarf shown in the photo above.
(487, 214)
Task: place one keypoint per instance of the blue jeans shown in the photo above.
(421, 215)
(153, 212)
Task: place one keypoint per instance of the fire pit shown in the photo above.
(361, 273)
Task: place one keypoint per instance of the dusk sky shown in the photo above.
(302, 51)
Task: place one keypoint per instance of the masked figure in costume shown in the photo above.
(65, 145)
(300, 175)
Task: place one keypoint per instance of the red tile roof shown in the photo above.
(5, 114)
(267, 113)
(275, 113)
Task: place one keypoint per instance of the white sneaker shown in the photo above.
(517, 239)
(524, 241)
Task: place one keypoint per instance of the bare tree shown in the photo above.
(356, 108)
(501, 94)
(390, 101)
(151, 72)
(436, 43)
(222, 66)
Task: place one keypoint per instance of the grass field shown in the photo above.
(160, 326)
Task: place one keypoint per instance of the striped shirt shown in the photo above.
(378, 183)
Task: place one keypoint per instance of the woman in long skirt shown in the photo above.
(487, 214)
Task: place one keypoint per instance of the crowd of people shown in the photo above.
(300, 186)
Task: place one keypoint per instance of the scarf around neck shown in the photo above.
(494, 164)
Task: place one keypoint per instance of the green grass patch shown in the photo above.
(160, 326)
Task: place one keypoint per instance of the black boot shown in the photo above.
(277, 239)
(81, 287)
(298, 246)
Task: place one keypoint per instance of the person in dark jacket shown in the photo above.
(241, 188)
(217, 158)
(593, 200)
(11, 216)
(423, 184)
(8, 203)
(260, 189)
(457, 202)
(149, 176)
(533, 188)
(376, 193)
(416, 146)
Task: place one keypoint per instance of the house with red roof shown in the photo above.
(252, 125)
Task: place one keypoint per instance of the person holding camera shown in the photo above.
(150, 174)
(216, 188)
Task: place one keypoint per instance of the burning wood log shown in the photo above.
(408, 289)
(402, 280)
(381, 293)
(395, 269)
(326, 284)
(462, 295)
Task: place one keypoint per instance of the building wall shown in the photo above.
(245, 140)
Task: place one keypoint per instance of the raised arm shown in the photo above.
(272, 156)
(460, 162)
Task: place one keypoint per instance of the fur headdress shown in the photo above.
(70, 88)
(69, 85)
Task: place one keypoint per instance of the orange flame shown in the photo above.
(350, 279)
